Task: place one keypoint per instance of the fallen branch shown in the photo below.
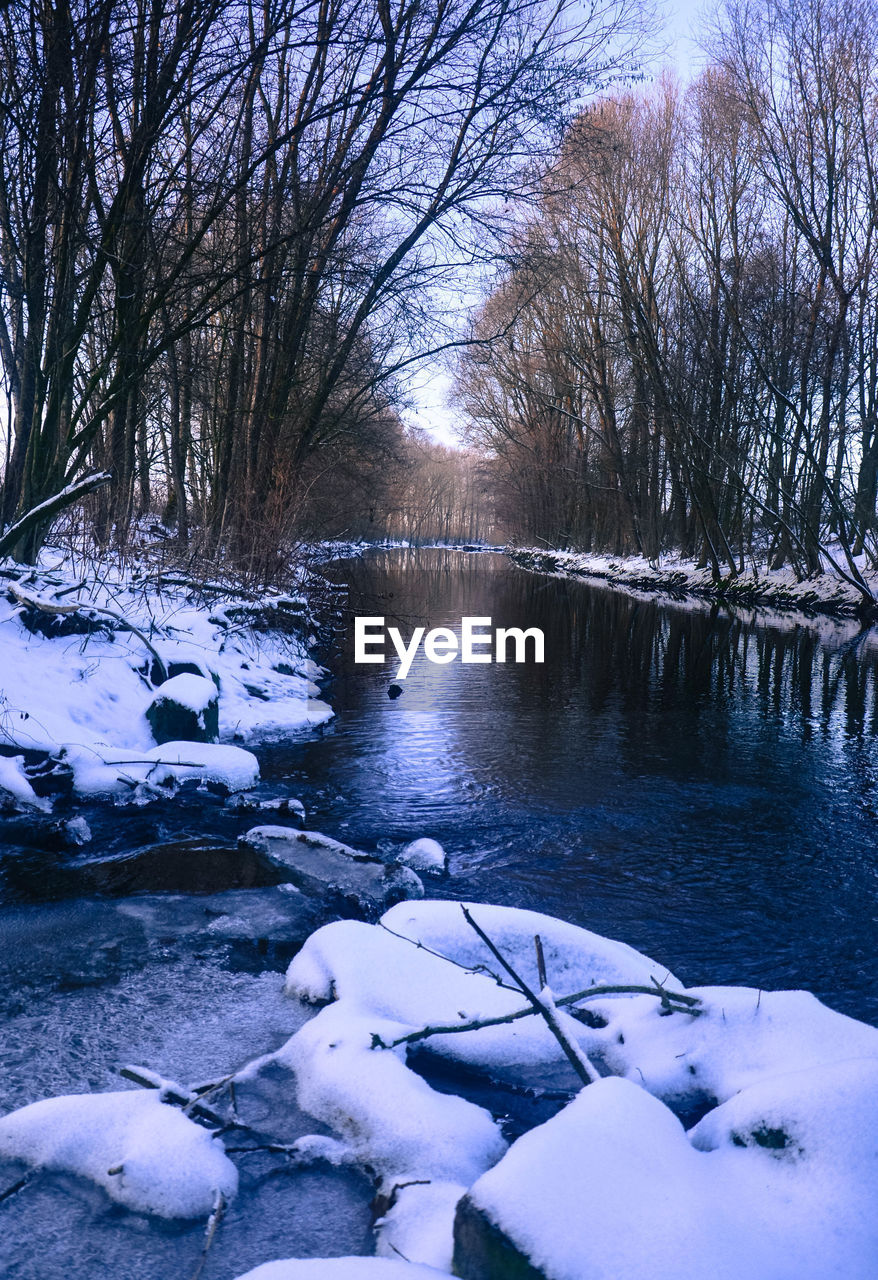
(44, 511)
(543, 1004)
(18, 1186)
(42, 603)
(213, 1223)
(677, 1002)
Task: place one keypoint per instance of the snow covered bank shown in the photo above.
(824, 593)
(89, 669)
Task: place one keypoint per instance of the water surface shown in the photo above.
(698, 784)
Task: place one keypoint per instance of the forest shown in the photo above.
(683, 351)
(229, 232)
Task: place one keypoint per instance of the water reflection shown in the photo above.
(698, 783)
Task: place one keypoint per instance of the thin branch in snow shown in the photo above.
(213, 1223)
(543, 1004)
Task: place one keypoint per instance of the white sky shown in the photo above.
(431, 386)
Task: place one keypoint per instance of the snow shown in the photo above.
(623, 1191)
(741, 1036)
(109, 770)
(189, 690)
(167, 1164)
(779, 588)
(391, 1119)
(89, 693)
(14, 782)
(424, 855)
(420, 1224)
(575, 958)
(340, 1269)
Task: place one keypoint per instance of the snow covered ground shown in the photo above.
(824, 593)
(84, 697)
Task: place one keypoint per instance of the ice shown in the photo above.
(146, 1155)
(341, 1269)
(14, 782)
(322, 866)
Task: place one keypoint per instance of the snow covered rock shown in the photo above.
(575, 958)
(185, 708)
(324, 867)
(419, 1224)
(113, 770)
(341, 1269)
(391, 1119)
(612, 1187)
(15, 788)
(425, 855)
(740, 1036)
(146, 1155)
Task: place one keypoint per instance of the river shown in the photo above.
(699, 785)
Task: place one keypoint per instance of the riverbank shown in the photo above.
(123, 680)
(779, 589)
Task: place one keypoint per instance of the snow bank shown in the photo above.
(109, 770)
(90, 693)
(340, 1269)
(146, 1155)
(623, 1192)
(825, 592)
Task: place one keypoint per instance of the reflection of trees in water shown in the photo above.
(643, 656)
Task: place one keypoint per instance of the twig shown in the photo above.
(18, 1186)
(541, 961)
(543, 1004)
(213, 1223)
(679, 1003)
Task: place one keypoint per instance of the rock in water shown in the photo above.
(185, 709)
(323, 867)
(425, 855)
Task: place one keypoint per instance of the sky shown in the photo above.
(432, 408)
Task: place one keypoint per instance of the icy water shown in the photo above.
(697, 784)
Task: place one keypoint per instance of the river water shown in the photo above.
(700, 785)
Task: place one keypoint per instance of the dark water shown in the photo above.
(701, 787)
